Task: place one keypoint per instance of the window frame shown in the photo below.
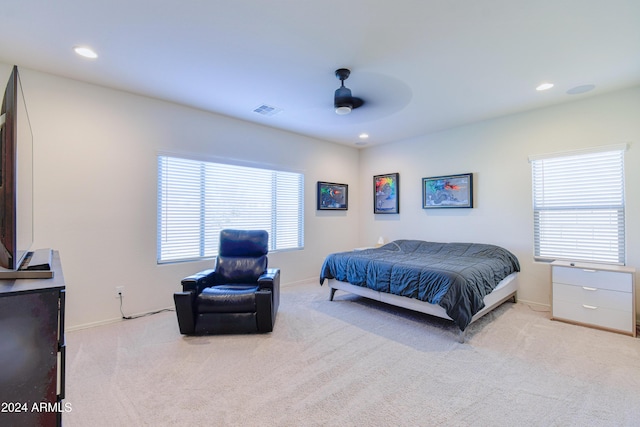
(579, 226)
(201, 204)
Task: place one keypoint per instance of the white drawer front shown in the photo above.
(613, 280)
(603, 317)
(594, 297)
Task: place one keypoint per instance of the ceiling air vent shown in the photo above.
(267, 110)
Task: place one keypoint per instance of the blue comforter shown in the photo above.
(456, 276)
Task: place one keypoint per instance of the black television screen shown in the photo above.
(16, 176)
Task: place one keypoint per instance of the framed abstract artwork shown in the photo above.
(332, 196)
(451, 191)
(386, 194)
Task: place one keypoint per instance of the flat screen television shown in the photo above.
(16, 176)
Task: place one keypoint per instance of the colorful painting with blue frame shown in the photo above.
(451, 191)
(333, 196)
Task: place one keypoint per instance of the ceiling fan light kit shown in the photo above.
(342, 110)
(343, 102)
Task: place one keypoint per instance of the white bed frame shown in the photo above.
(505, 290)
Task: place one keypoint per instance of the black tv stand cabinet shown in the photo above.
(32, 350)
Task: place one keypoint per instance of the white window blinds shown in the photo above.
(197, 199)
(578, 206)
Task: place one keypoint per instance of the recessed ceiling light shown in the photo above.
(580, 89)
(544, 86)
(85, 52)
(363, 135)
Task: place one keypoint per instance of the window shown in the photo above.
(197, 199)
(578, 206)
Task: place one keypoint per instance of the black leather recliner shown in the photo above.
(239, 295)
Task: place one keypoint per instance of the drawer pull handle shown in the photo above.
(588, 270)
(590, 307)
(587, 288)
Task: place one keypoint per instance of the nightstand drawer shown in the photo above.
(593, 297)
(601, 279)
(599, 316)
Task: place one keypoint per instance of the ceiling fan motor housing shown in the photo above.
(343, 97)
(343, 101)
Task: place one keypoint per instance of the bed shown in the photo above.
(460, 282)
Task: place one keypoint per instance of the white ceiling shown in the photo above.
(420, 65)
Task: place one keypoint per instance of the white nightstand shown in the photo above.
(596, 295)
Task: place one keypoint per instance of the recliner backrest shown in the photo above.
(242, 256)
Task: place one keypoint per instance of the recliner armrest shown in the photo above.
(269, 278)
(197, 282)
(185, 311)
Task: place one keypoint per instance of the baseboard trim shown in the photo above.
(535, 305)
(92, 324)
(119, 319)
(301, 282)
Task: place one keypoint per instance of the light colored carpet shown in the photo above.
(354, 362)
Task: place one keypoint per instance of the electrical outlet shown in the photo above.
(119, 291)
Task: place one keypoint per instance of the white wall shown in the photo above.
(497, 151)
(95, 189)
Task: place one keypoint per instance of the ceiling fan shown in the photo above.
(343, 102)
